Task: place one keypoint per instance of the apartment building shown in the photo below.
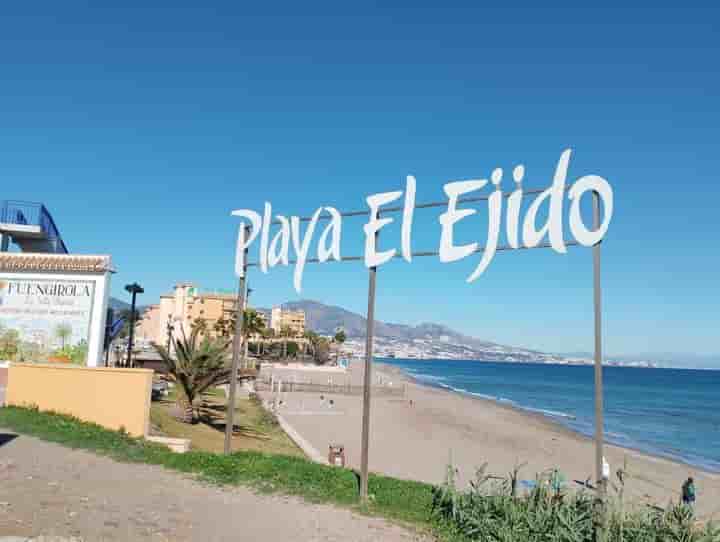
(292, 319)
(178, 310)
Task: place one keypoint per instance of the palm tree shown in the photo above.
(311, 337)
(221, 326)
(253, 324)
(63, 332)
(321, 350)
(320, 347)
(198, 365)
(285, 333)
(339, 339)
(266, 334)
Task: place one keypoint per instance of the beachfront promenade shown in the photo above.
(416, 441)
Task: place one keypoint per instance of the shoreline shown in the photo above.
(546, 419)
(420, 429)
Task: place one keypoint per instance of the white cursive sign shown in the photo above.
(276, 250)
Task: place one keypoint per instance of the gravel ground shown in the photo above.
(51, 491)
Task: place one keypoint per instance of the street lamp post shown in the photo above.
(134, 289)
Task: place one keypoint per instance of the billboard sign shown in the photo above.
(45, 320)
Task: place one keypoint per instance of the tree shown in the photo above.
(197, 366)
(339, 339)
(221, 327)
(311, 337)
(292, 349)
(285, 333)
(9, 344)
(125, 315)
(266, 333)
(63, 332)
(322, 350)
(253, 324)
(319, 346)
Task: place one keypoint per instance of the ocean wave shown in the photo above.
(483, 396)
(431, 378)
(551, 413)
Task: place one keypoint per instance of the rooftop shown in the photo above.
(28, 261)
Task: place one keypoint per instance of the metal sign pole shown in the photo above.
(367, 382)
(599, 422)
(239, 324)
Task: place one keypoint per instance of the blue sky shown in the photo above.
(141, 128)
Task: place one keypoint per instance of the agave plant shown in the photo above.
(199, 363)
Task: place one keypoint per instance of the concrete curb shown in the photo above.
(303, 444)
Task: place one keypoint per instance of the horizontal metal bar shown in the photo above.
(422, 254)
(429, 205)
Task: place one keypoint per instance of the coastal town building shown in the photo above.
(294, 320)
(187, 304)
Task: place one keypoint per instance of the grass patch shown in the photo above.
(256, 430)
(406, 501)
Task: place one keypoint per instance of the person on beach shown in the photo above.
(688, 492)
(557, 482)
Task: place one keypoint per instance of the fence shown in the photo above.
(340, 389)
(26, 213)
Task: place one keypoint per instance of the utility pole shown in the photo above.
(239, 325)
(134, 289)
(599, 420)
(367, 383)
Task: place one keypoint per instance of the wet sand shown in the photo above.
(417, 435)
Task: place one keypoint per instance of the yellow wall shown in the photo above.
(110, 397)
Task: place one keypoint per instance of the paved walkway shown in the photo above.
(49, 490)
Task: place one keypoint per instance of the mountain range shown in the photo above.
(426, 340)
(118, 305)
(432, 340)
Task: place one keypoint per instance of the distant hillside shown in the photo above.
(117, 305)
(325, 319)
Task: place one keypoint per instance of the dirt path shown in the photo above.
(49, 490)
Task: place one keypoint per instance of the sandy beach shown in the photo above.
(418, 430)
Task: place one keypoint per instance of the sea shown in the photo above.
(672, 413)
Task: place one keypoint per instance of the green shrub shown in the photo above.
(488, 512)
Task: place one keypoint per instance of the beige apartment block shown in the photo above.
(148, 328)
(186, 304)
(294, 320)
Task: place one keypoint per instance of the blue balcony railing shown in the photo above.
(26, 213)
